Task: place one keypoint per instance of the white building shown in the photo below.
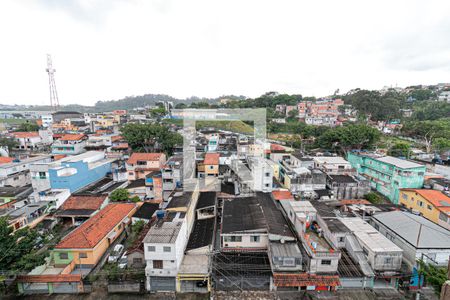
(47, 120)
(444, 96)
(164, 247)
(262, 174)
(332, 165)
(418, 237)
(18, 173)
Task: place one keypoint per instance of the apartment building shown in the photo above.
(69, 144)
(388, 174)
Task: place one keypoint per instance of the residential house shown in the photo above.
(164, 247)
(69, 144)
(80, 208)
(333, 165)
(418, 237)
(431, 204)
(348, 187)
(141, 164)
(210, 165)
(388, 174)
(85, 246)
(17, 172)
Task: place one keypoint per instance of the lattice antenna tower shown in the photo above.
(54, 102)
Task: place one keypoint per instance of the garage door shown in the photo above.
(162, 283)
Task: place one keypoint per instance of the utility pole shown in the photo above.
(54, 102)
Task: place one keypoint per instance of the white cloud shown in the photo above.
(110, 49)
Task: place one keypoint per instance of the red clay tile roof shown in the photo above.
(91, 232)
(84, 202)
(116, 138)
(58, 156)
(5, 160)
(282, 195)
(211, 159)
(143, 157)
(49, 278)
(25, 134)
(72, 137)
(276, 147)
(121, 146)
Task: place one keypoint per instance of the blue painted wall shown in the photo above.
(82, 178)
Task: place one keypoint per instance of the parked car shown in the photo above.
(115, 253)
(123, 261)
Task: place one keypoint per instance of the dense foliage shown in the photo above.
(150, 138)
(119, 195)
(434, 276)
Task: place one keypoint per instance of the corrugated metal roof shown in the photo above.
(408, 226)
(401, 163)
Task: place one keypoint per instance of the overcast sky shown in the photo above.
(108, 49)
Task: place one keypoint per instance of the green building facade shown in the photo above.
(388, 174)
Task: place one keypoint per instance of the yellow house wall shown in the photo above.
(412, 202)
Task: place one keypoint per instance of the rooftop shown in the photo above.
(242, 214)
(369, 235)
(165, 231)
(146, 210)
(211, 159)
(135, 157)
(282, 195)
(342, 178)
(416, 230)
(202, 234)
(437, 198)
(206, 199)
(72, 137)
(84, 202)
(91, 232)
(25, 134)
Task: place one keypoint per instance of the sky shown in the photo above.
(109, 49)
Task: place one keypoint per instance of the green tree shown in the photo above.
(180, 106)
(135, 199)
(27, 127)
(119, 195)
(435, 276)
(422, 94)
(8, 143)
(293, 114)
(150, 137)
(374, 198)
(401, 149)
(441, 144)
(346, 138)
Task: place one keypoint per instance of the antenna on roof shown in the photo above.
(54, 102)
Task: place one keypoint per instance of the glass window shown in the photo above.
(151, 248)
(157, 264)
(325, 262)
(255, 238)
(82, 255)
(167, 249)
(429, 207)
(63, 255)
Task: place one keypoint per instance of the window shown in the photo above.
(63, 255)
(232, 238)
(325, 262)
(131, 173)
(119, 227)
(151, 249)
(388, 260)
(443, 217)
(211, 167)
(420, 203)
(157, 264)
(167, 249)
(267, 174)
(341, 239)
(377, 227)
(137, 260)
(429, 207)
(82, 255)
(254, 238)
(404, 196)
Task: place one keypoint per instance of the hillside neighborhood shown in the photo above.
(169, 198)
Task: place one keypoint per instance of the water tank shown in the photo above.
(160, 214)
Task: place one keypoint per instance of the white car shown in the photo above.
(123, 261)
(115, 253)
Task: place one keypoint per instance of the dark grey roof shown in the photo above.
(146, 211)
(74, 212)
(323, 210)
(227, 188)
(416, 230)
(206, 199)
(202, 234)
(19, 192)
(335, 225)
(276, 223)
(136, 183)
(322, 193)
(242, 214)
(342, 179)
(180, 199)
